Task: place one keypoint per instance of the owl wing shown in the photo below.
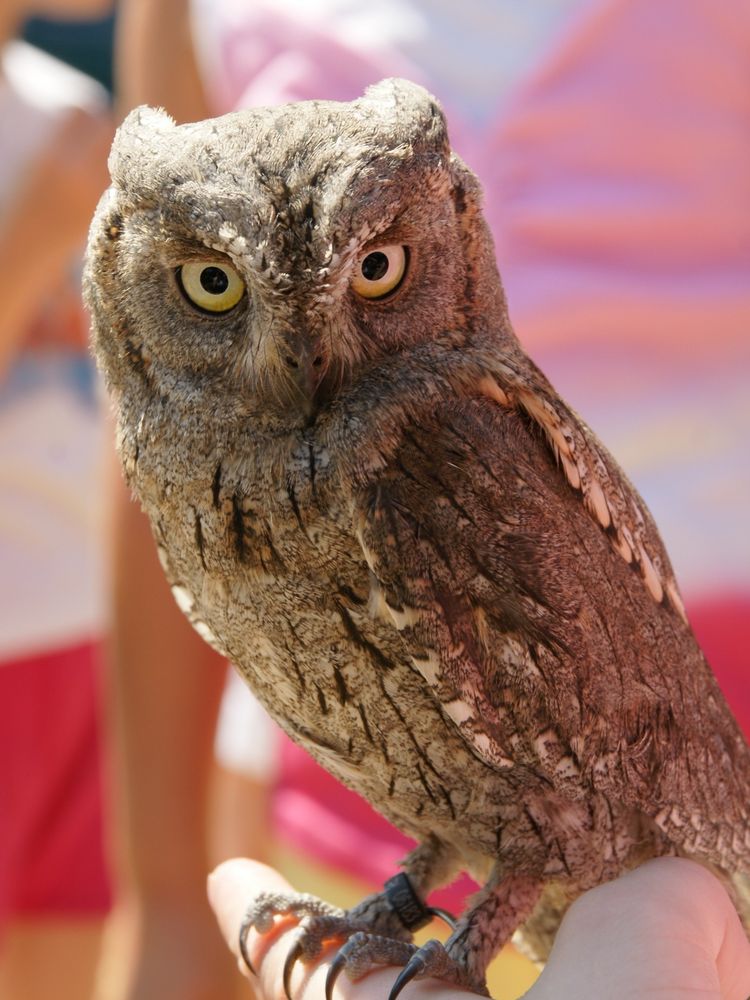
(534, 596)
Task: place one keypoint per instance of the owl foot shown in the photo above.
(319, 920)
(433, 960)
(377, 931)
(364, 952)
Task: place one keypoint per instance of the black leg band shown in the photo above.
(409, 908)
(405, 903)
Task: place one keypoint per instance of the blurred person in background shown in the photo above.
(54, 888)
(175, 815)
(611, 138)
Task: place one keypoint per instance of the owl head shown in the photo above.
(274, 253)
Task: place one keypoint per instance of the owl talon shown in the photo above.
(413, 968)
(432, 959)
(294, 953)
(362, 953)
(247, 922)
(317, 920)
(334, 970)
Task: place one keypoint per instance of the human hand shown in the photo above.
(666, 930)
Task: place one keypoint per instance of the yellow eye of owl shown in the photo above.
(211, 285)
(380, 272)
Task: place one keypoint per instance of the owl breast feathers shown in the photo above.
(426, 566)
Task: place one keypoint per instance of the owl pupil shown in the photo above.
(214, 280)
(375, 266)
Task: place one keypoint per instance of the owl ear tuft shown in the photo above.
(414, 112)
(139, 143)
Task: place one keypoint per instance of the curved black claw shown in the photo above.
(411, 970)
(334, 970)
(245, 926)
(293, 954)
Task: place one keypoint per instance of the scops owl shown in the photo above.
(366, 495)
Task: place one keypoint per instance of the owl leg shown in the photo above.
(494, 913)
(388, 917)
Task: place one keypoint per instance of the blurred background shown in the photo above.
(85, 44)
(612, 138)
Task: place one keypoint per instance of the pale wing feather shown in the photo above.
(590, 469)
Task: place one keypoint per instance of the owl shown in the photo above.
(366, 495)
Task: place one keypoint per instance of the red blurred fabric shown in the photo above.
(51, 839)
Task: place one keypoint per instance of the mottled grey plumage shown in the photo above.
(426, 566)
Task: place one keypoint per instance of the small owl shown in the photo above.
(367, 496)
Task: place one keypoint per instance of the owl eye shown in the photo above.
(380, 272)
(211, 285)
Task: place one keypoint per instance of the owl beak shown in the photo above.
(304, 364)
